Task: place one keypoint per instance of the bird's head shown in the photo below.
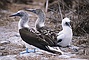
(20, 13)
(66, 22)
(36, 11)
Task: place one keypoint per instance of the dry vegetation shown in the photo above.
(76, 10)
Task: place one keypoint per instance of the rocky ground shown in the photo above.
(11, 44)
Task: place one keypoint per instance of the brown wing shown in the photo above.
(48, 35)
(35, 40)
(31, 38)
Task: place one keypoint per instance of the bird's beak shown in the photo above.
(31, 10)
(68, 24)
(15, 14)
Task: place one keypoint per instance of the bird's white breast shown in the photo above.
(66, 37)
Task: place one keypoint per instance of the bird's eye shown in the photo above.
(19, 13)
(34, 11)
(67, 23)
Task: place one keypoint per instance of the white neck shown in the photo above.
(40, 21)
(67, 30)
(23, 22)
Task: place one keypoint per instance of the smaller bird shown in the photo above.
(64, 37)
(30, 37)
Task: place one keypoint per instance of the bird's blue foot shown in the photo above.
(29, 51)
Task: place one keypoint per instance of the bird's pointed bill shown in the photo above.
(15, 14)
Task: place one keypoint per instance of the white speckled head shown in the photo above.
(24, 18)
(20, 13)
(41, 17)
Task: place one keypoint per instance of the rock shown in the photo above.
(80, 52)
(5, 53)
(8, 57)
(75, 48)
(4, 42)
(44, 58)
(64, 56)
(17, 35)
(2, 48)
(67, 55)
(16, 40)
(0, 54)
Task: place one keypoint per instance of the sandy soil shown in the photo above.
(11, 44)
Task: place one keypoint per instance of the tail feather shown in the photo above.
(54, 50)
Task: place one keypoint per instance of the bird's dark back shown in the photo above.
(31, 38)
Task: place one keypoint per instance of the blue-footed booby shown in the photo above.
(64, 37)
(40, 26)
(30, 37)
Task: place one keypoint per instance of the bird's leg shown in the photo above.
(29, 51)
(34, 50)
(23, 52)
